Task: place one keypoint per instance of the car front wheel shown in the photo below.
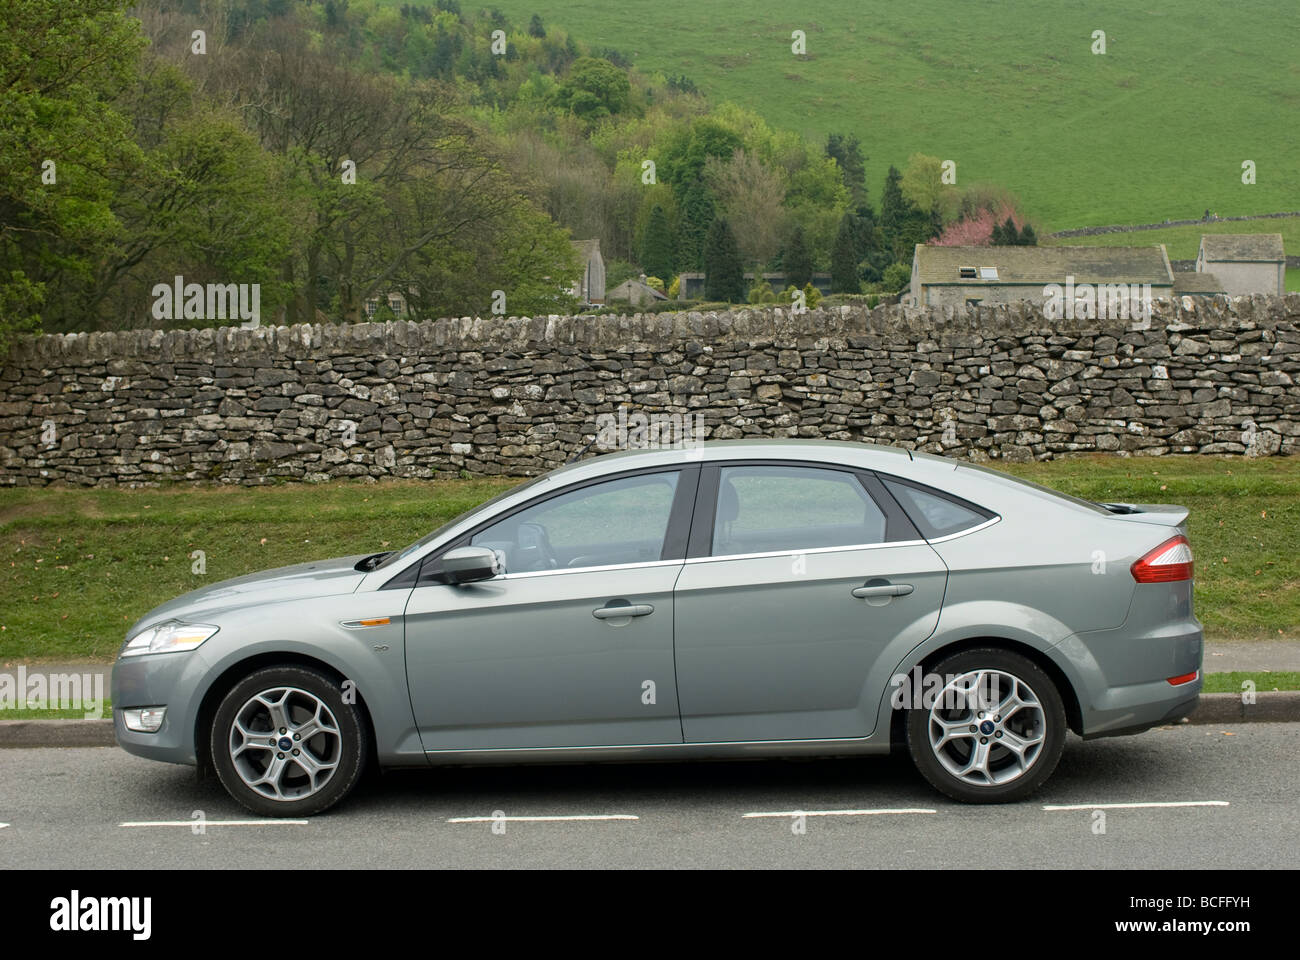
(286, 744)
(994, 731)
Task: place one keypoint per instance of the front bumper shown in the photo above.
(170, 680)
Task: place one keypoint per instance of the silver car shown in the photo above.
(735, 599)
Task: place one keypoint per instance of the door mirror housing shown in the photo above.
(469, 564)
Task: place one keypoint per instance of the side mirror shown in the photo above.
(468, 564)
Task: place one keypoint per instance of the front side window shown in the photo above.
(768, 509)
(613, 522)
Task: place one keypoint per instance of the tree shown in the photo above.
(685, 151)
(657, 244)
(749, 195)
(922, 184)
(897, 276)
(844, 260)
(61, 67)
(697, 214)
(903, 223)
(894, 207)
(846, 151)
(535, 28)
(798, 261)
(594, 89)
(724, 276)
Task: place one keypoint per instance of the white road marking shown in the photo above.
(841, 813)
(1135, 806)
(578, 816)
(214, 823)
(3, 825)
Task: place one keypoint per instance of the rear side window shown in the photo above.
(768, 509)
(936, 514)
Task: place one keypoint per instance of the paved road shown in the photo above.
(64, 808)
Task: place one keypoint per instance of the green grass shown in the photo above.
(1264, 680)
(1293, 280)
(1244, 525)
(1182, 242)
(85, 564)
(106, 713)
(1156, 128)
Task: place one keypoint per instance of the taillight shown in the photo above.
(1169, 562)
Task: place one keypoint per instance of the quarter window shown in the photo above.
(614, 522)
(768, 509)
(935, 514)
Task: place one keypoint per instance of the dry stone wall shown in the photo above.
(518, 396)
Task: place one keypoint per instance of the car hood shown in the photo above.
(300, 581)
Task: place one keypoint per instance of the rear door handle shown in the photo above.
(625, 610)
(887, 590)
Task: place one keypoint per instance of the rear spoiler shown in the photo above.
(1162, 514)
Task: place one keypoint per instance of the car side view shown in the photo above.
(735, 599)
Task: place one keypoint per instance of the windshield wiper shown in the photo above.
(372, 561)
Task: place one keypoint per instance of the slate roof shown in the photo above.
(1243, 247)
(1042, 265)
(1203, 284)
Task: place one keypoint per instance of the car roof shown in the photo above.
(869, 456)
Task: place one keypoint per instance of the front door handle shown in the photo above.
(885, 590)
(613, 612)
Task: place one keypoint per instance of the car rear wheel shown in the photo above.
(286, 744)
(995, 730)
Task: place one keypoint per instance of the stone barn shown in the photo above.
(1244, 263)
(955, 276)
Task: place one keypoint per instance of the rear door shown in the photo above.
(797, 576)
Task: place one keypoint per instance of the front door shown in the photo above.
(573, 645)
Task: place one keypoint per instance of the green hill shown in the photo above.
(1156, 128)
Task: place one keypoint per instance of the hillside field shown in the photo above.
(1155, 128)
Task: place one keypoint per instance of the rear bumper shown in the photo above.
(1121, 678)
(1174, 714)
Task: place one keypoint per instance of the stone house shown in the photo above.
(638, 293)
(1244, 262)
(954, 276)
(396, 302)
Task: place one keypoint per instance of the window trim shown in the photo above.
(675, 535)
(899, 529)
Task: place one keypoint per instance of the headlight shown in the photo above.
(170, 636)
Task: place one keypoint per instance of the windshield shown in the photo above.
(397, 556)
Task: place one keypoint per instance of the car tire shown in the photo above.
(284, 742)
(979, 755)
